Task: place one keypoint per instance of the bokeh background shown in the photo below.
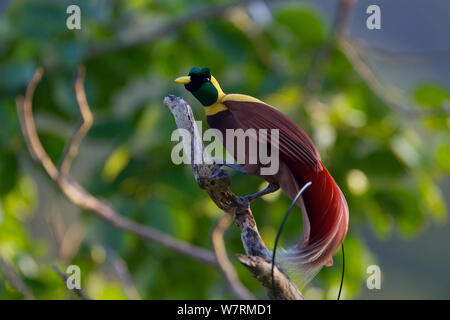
(380, 120)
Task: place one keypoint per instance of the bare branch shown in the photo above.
(281, 289)
(79, 292)
(217, 182)
(84, 126)
(15, 280)
(221, 253)
(25, 111)
(72, 239)
(76, 193)
(391, 98)
(121, 270)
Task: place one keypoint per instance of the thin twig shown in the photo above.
(76, 193)
(221, 253)
(403, 57)
(84, 126)
(123, 274)
(391, 98)
(217, 183)
(15, 280)
(64, 276)
(72, 239)
(25, 111)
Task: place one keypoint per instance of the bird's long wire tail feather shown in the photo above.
(281, 229)
(343, 269)
(282, 224)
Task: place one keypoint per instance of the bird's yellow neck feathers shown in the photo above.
(219, 105)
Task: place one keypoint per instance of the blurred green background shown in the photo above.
(392, 164)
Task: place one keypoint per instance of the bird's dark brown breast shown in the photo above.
(223, 120)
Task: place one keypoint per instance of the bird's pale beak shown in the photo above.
(183, 80)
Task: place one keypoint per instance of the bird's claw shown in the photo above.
(272, 187)
(229, 165)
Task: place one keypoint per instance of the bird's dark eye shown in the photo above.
(206, 79)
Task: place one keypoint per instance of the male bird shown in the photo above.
(324, 208)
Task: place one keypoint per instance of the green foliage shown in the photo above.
(431, 96)
(303, 23)
(387, 166)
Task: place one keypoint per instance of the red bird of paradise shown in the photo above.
(324, 208)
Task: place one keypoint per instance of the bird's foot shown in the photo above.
(230, 165)
(272, 187)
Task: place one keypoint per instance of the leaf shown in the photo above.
(8, 123)
(8, 172)
(304, 23)
(53, 145)
(116, 162)
(229, 40)
(443, 156)
(21, 201)
(37, 21)
(432, 198)
(431, 96)
(109, 129)
(403, 203)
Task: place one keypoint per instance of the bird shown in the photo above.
(325, 212)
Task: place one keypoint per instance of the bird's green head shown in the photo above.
(202, 85)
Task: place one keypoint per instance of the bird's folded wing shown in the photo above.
(294, 143)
